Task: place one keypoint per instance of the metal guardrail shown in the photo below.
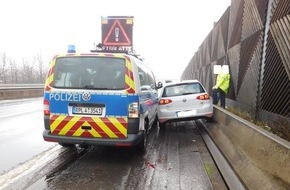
(15, 91)
(258, 157)
(17, 86)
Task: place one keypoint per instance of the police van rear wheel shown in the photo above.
(66, 145)
(143, 143)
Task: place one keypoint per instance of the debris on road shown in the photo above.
(151, 165)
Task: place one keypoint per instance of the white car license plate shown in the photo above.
(87, 110)
(186, 113)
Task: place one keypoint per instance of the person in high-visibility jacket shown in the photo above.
(221, 89)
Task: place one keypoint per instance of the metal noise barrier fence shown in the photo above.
(253, 38)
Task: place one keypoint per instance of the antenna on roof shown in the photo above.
(99, 46)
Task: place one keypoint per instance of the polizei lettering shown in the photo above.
(65, 97)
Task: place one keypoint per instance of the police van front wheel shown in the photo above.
(161, 126)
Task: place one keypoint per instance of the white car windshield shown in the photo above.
(182, 89)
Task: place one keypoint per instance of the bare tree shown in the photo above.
(41, 74)
(13, 72)
(29, 72)
(3, 68)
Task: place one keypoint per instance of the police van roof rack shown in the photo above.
(109, 51)
(99, 48)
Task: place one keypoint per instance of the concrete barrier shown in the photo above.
(15, 93)
(260, 158)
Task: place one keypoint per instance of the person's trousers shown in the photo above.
(219, 94)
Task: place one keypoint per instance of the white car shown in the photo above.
(186, 100)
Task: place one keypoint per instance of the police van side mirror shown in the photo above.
(159, 85)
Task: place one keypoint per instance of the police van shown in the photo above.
(99, 98)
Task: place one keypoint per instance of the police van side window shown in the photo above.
(147, 79)
(151, 80)
(63, 74)
(143, 79)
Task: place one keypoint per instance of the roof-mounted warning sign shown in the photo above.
(117, 32)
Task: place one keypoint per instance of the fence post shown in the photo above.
(263, 57)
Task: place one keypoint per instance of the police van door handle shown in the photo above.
(86, 127)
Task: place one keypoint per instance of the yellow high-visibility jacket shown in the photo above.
(223, 82)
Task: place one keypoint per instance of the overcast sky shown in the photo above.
(166, 33)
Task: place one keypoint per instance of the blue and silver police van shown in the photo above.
(99, 98)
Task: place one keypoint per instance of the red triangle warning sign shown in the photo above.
(117, 36)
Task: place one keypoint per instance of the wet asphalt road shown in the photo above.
(21, 126)
(176, 158)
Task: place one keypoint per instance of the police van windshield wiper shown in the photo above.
(95, 88)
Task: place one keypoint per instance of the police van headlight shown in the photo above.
(133, 110)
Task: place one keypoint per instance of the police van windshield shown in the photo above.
(90, 73)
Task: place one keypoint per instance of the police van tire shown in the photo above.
(155, 123)
(209, 119)
(142, 145)
(161, 125)
(66, 145)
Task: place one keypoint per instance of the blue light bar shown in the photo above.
(71, 48)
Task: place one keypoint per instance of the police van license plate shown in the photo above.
(87, 110)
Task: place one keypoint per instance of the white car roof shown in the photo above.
(180, 82)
